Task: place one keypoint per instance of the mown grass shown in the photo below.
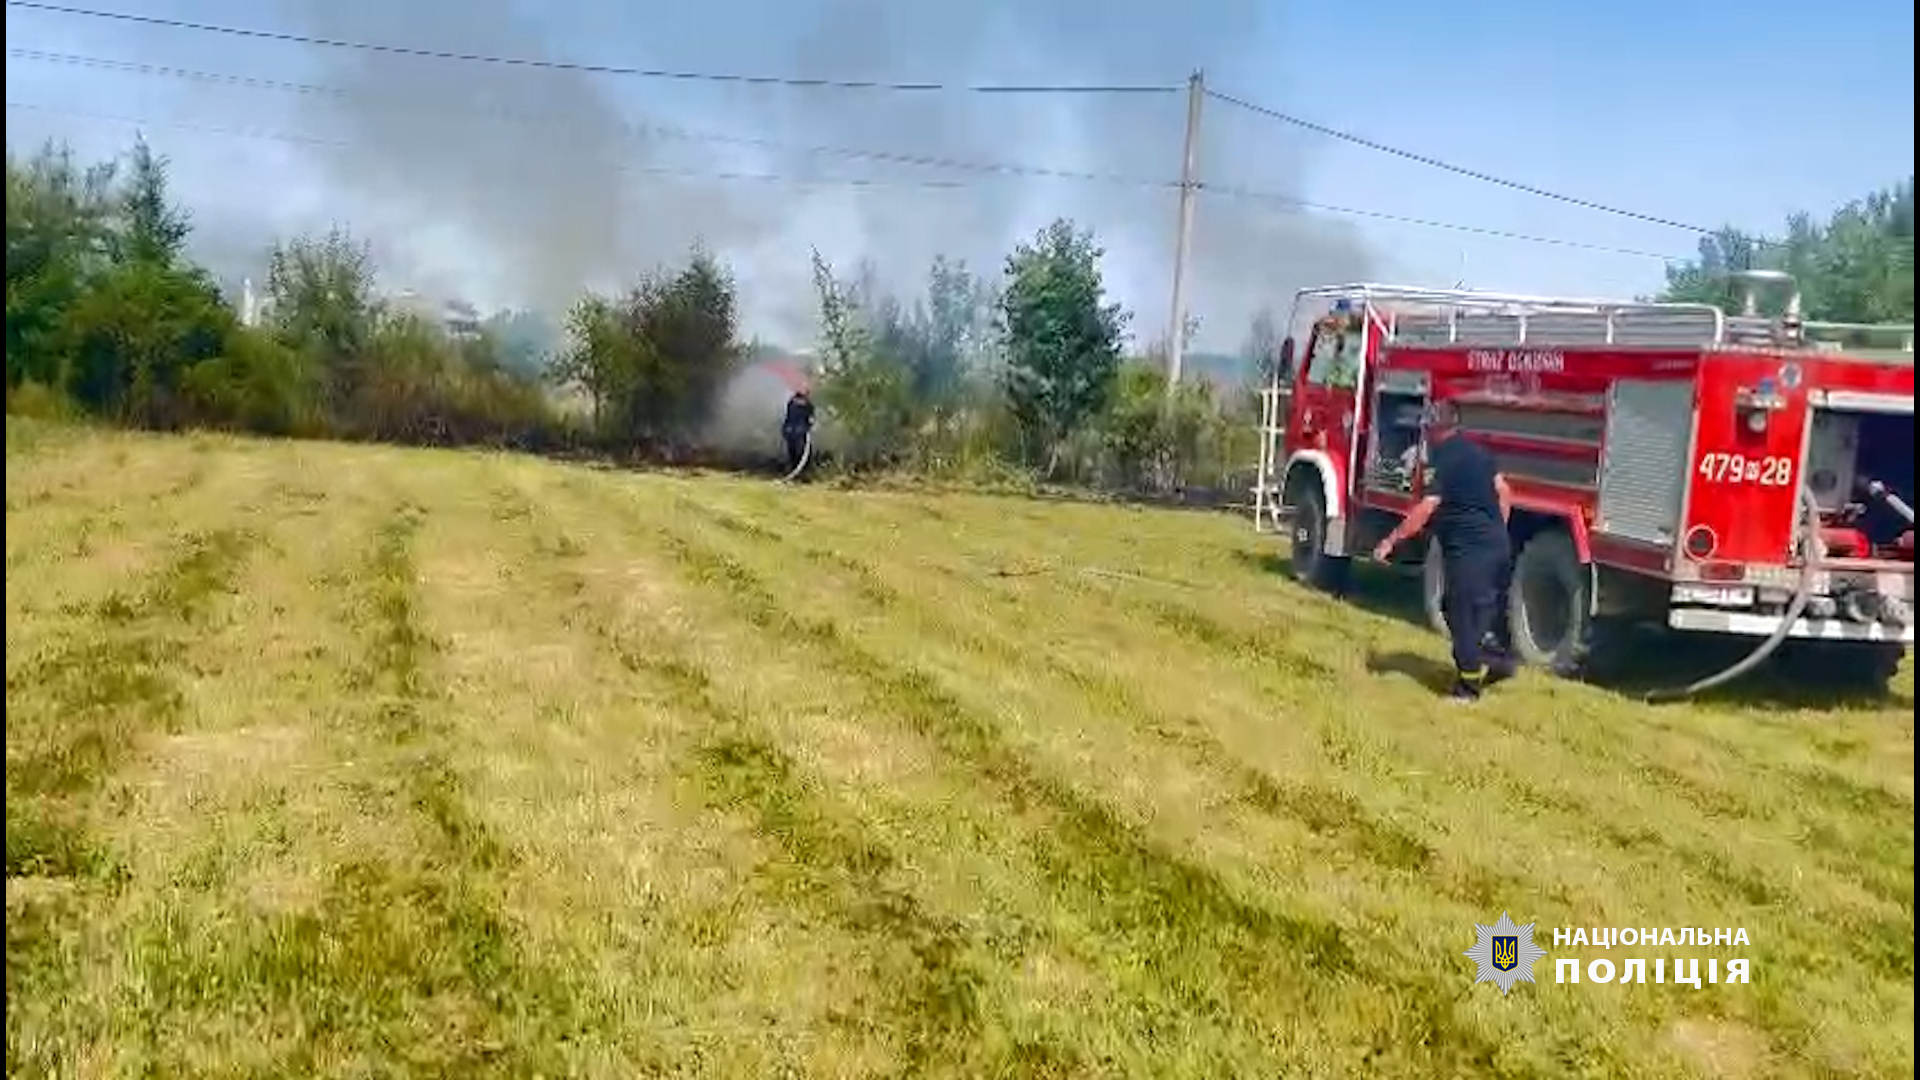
(348, 761)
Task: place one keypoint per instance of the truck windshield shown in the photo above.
(1335, 360)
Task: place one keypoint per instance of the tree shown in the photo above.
(867, 394)
(1261, 350)
(256, 384)
(321, 304)
(941, 340)
(654, 361)
(688, 327)
(150, 319)
(98, 306)
(133, 336)
(953, 328)
(59, 228)
(1856, 268)
(1062, 338)
(592, 360)
(153, 229)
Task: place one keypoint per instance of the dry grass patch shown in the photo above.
(349, 761)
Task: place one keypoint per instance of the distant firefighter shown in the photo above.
(797, 430)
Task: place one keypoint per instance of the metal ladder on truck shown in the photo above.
(1267, 494)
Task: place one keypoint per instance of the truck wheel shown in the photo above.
(1309, 561)
(1843, 665)
(1433, 588)
(1547, 605)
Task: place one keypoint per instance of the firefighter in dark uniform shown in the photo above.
(1466, 502)
(797, 426)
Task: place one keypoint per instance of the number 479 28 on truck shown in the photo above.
(1738, 475)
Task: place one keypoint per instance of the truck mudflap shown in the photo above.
(1752, 624)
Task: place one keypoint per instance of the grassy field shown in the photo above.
(329, 761)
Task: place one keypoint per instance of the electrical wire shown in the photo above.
(865, 84)
(1447, 166)
(647, 131)
(318, 141)
(583, 68)
(1476, 230)
(1273, 199)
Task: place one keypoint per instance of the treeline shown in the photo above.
(1021, 374)
(1027, 372)
(108, 317)
(1855, 267)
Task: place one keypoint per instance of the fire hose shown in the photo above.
(806, 451)
(1811, 553)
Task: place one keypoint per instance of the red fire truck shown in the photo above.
(1671, 464)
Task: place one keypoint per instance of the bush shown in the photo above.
(654, 361)
(38, 401)
(255, 384)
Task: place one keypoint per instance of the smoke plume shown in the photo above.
(592, 193)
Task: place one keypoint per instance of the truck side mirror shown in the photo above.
(1283, 367)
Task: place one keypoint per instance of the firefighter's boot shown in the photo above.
(1467, 685)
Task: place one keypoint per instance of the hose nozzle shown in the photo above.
(1880, 491)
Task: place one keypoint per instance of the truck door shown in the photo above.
(1327, 399)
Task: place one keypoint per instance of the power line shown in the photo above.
(637, 130)
(341, 144)
(855, 84)
(1447, 166)
(590, 69)
(1451, 226)
(1283, 202)
(996, 168)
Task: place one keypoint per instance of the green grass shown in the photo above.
(329, 761)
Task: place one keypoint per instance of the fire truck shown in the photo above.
(1672, 465)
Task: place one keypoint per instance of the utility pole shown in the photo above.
(1183, 241)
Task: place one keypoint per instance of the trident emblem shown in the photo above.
(1506, 952)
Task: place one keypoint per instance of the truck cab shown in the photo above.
(1313, 427)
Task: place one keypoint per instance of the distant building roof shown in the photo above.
(456, 317)
(795, 371)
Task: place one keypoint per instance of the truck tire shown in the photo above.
(1308, 559)
(1433, 588)
(1547, 606)
(1860, 666)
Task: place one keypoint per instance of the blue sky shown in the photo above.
(1707, 112)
